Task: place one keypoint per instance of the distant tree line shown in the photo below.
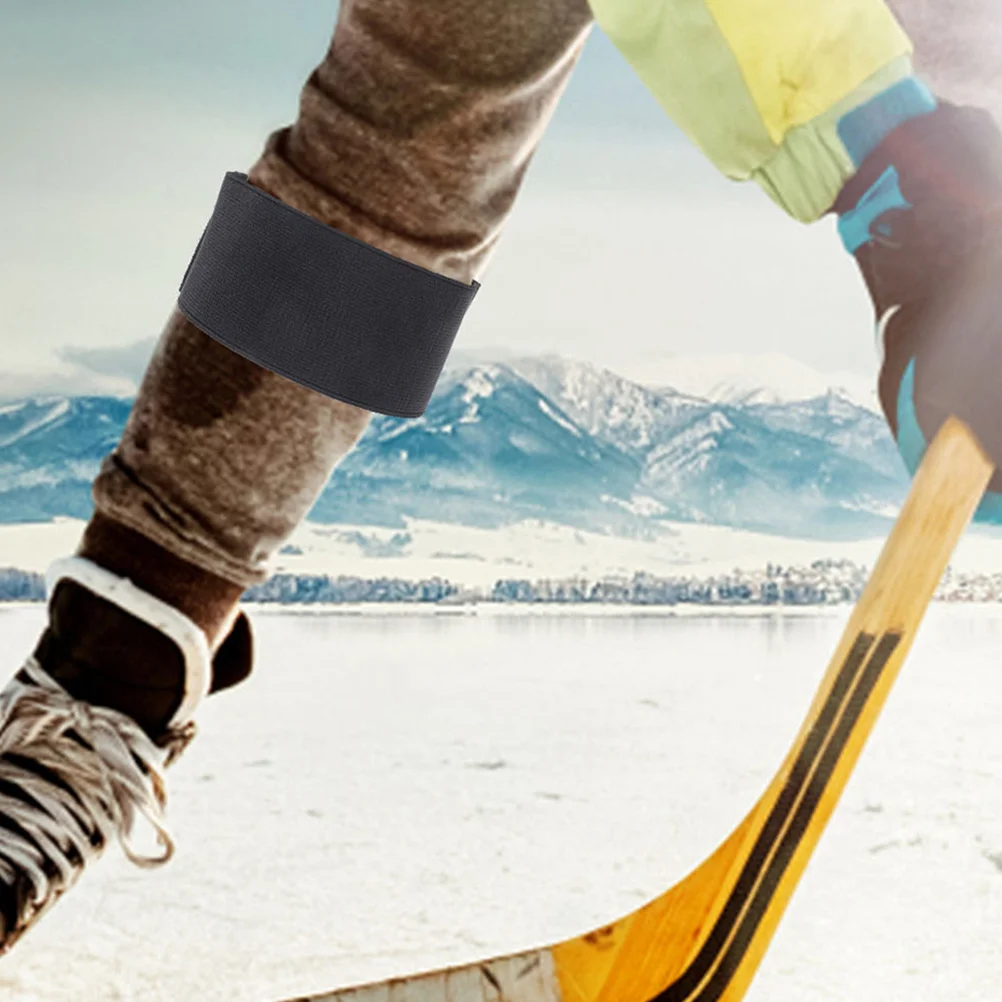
(824, 582)
(21, 586)
(298, 589)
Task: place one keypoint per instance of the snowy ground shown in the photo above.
(389, 794)
(528, 549)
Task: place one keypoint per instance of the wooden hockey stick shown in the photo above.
(702, 940)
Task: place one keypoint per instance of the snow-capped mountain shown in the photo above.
(50, 451)
(490, 447)
(608, 405)
(541, 438)
(769, 378)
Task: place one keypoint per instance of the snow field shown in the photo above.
(387, 795)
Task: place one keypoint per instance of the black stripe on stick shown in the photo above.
(784, 828)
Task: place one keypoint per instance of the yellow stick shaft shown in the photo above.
(703, 939)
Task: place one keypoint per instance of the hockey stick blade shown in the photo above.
(702, 940)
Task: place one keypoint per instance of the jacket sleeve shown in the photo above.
(760, 85)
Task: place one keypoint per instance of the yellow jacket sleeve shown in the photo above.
(760, 85)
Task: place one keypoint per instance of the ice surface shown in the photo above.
(392, 793)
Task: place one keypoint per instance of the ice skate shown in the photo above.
(87, 727)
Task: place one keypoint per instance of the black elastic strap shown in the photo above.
(319, 307)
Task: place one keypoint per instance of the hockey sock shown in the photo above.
(206, 599)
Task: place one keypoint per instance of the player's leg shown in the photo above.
(413, 136)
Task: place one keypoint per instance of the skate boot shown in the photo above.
(88, 726)
(923, 218)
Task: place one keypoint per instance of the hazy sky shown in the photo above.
(121, 116)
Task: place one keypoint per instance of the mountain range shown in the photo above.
(540, 438)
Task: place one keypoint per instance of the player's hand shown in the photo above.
(931, 254)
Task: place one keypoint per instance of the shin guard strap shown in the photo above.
(319, 307)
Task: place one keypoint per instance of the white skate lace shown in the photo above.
(109, 775)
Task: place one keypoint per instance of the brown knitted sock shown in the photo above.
(207, 600)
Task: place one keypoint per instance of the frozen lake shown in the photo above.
(392, 793)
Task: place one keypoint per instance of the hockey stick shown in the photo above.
(702, 940)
